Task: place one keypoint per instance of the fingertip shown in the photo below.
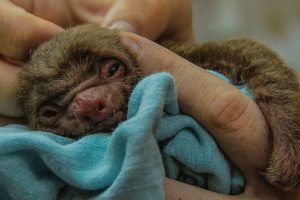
(123, 26)
(8, 88)
(130, 41)
(139, 17)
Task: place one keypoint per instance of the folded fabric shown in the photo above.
(154, 141)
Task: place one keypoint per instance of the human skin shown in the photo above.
(233, 119)
(25, 24)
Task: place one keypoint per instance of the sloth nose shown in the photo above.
(91, 110)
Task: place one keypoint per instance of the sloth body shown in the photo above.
(79, 83)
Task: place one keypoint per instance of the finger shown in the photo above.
(139, 17)
(233, 119)
(21, 32)
(4, 120)
(55, 11)
(89, 11)
(8, 87)
(151, 19)
(178, 190)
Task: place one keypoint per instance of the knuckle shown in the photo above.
(229, 110)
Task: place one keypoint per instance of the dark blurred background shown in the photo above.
(272, 22)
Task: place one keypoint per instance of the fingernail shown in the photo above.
(124, 26)
(130, 43)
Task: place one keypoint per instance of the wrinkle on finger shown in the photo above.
(229, 110)
(236, 119)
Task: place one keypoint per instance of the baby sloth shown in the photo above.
(79, 83)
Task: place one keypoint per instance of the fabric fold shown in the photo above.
(131, 163)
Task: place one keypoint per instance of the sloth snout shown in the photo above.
(91, 110)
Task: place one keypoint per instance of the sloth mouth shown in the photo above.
(107, 125)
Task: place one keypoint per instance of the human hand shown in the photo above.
(171, 19)
(234, 120)
(24, 24)
(153, 19)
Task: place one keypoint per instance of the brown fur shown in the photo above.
(59, 66)
(274, 85)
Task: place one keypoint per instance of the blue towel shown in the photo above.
(131, 163)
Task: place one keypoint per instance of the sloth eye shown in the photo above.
(48, 114)
(112, 70)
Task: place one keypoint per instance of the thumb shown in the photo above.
(148, 19)
(233, 119)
